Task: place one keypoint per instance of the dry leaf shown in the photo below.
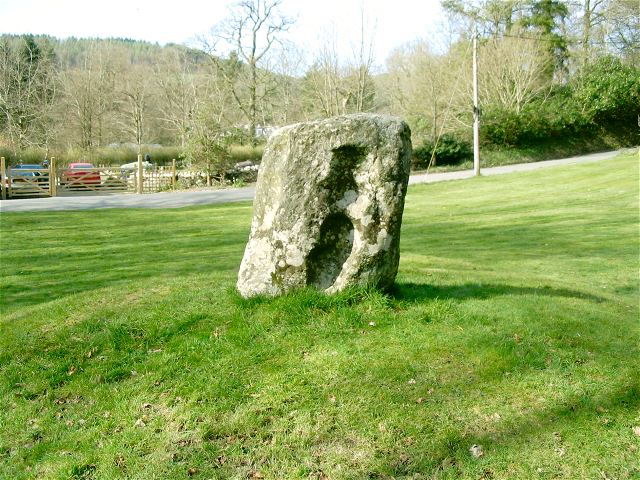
(420, 400)
(192, 471)
(636, 431)
(120, 461)
(412, 381)
(140, 423)
(372, 324)
(255, 474)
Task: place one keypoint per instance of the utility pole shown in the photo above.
(476, 108)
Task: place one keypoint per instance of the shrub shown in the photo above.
(449, 150)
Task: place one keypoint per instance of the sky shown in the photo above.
(394, 22)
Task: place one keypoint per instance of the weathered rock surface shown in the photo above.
(328, 206)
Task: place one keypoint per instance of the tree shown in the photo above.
(286, 66)
(546, 18)
(325, 94)
(134, 106)
(90, 94)
(250, 32)
(513, 72)
(622, 29)
(28, 88)
(362, 89)
(177, 85)
(492, 18)
(333, 86)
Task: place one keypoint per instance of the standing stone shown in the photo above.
(328, 206)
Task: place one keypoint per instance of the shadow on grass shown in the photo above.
(541, 425)
(418, 291)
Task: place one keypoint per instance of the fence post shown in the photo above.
(53, 181)
(3, 178)
(173, 174)
(140, 178)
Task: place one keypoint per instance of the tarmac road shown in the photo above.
(208, 197)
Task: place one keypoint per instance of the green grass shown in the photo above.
(125, 353)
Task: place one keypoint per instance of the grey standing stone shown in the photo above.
(328, 206)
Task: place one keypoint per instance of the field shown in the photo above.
(509, 347)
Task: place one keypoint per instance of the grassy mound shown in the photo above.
(513, 326)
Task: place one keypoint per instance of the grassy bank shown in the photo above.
(125, 353)
(494, 156)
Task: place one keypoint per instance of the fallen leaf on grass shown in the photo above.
(140, 423)
(255, 474)
(636, 431)
(412, 381)
(192, 471)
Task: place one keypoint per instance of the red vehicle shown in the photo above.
(81, 175)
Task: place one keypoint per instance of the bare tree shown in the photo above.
(335, 86)
(622, 29)
(325, 92)
(28, 90)
(429, 89)
(287, 65)
(363, 92)
(251, 31)
(89, 94)
(178, 90)
(513, 72)
(134, 105)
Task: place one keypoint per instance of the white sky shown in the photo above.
(179, 21)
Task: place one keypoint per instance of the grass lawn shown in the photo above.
(126, 353)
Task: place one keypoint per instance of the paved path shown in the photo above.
(207, 197)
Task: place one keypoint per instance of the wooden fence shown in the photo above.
(24, 181)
